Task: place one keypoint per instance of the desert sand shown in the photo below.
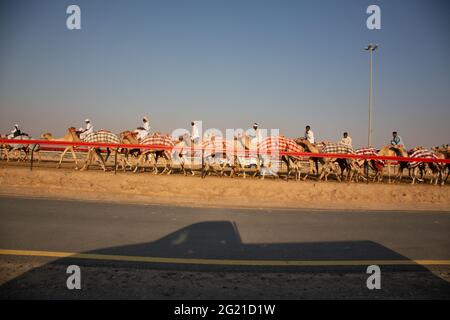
(179, 190)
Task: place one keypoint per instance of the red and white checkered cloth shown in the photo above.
(159, 140)
(102, 137)
(370, 151)
(320, 145)
(337, 148)
(367, 151)
(274, 145)
(422, 153)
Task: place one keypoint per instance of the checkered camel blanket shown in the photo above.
(422, 153)
(337, 148)
(102, 137)
(275, 145)
(159, 140)
(370, 151)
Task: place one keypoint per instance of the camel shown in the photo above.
(185, 151)
(70, 136)
(4, 148)
(128, 137)
(131, 137)
(443, 153)
(242, 143)
(165, 153)
(376, 165)
(415, 167)
(101, 136)
(313, 162)
(329, 164)
(242, 146)
(393, 151)
(217, 151)
(13, 148)
(273, 148)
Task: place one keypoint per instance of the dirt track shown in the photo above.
(218, 192)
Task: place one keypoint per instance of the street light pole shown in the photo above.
(371, 48)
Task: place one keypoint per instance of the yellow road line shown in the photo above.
(230, 262)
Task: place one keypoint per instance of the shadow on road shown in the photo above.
(221, 240)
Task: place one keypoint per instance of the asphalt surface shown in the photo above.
(197, 235)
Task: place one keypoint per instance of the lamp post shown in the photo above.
(371, 48)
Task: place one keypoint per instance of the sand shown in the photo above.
(179, 190)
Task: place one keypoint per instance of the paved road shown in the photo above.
(179, 252)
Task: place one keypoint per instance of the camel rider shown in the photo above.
(146, 124)
(143, 131)
(15, 132)
(89, 129)
(255, 135)
(397, 141)
(346, 140)
(309, 135)
(195, 136)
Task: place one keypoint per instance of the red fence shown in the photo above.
(234, 152)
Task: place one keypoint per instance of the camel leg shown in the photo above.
(61, 158)
(167, 167)
(6, 155)
(87, 161)
(183, 167)
(389, 172)
(138, 162)
(100, 159)
(323, 171)
(413, 176)
(334, 168)
(74, 157)
(155, 165)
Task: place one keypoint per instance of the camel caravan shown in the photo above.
(240, 156)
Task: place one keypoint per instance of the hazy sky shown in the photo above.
(229, 63)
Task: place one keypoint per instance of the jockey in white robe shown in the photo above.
(144, 131)
(89, 129)
(15, 132)
(255, 138)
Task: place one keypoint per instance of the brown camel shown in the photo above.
(435, 169)
(313, 162)
(392, 151)
(156, 153)
(242, 146)
(4, 148)
(128, 137)
(443, 153)
(70, 136)
(329, 164)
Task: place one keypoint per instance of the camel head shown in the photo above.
(73, 132)
(300, 140)
(129, 136)
(46, 136)
(123, 134)
(306, 145)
